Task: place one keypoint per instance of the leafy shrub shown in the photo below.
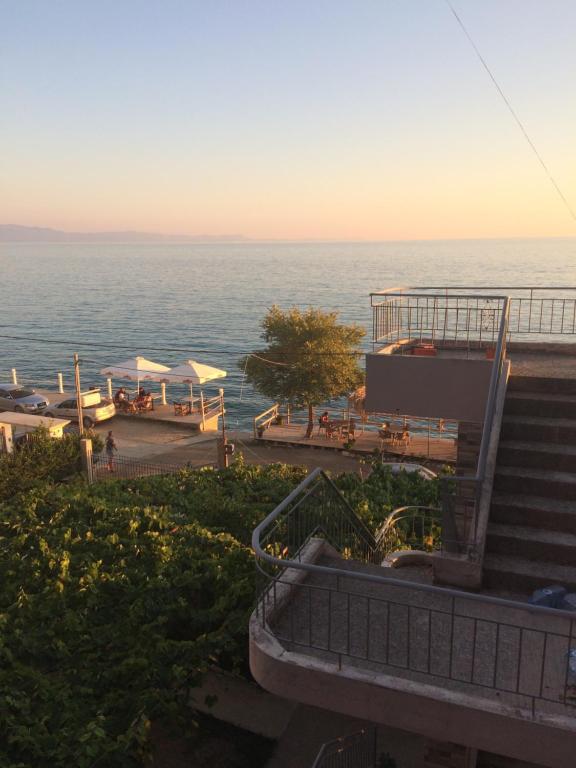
(115, 597)
(40, 461)
(108, 617)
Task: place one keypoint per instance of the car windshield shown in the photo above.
(18, 393)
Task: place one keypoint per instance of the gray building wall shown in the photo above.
(437, 387)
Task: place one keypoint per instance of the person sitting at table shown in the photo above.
(323, 422)
(121, 399)
(143, 400)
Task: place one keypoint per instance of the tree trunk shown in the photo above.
(310, 420)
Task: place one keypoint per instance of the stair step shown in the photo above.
(541, 384)
(534, 511)
(540, 455)
(542, 482)
(532, 543)
(519, 574)
(536, 428)
(540, 404)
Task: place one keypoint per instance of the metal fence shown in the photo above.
(514, 653)
(469, 314)
(128, 468)
(473, 321)
(358, 750)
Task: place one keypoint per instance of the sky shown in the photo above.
(306, 119)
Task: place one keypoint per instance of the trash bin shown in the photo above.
(549, 597)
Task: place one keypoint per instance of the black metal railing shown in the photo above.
(414, 527)
(105, 467)
(517, 654)
(469, 313)
(358, 750)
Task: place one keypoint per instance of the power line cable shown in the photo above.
(511, 110)
(218, 352)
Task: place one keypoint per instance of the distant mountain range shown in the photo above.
(14, 233)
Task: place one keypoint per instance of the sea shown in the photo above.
(172, 302)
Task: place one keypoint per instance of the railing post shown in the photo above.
(60, 384)
(109, 383)
(14, 377)
(202, 410)
(163, 393)
(449, 530)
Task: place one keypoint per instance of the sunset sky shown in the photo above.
(332, 119)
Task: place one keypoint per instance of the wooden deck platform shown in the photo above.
(161, 413)
(438, 449)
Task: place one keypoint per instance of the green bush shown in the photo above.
(108, 616)
(40, 461)
(117, 596)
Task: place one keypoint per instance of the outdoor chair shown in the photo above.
(182, 409)
(348, 430)
(401, 438)
(385, 435)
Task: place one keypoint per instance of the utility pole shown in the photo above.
(221, 393)
(223, 455)
(78, 394)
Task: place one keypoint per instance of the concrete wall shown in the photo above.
(407, 705)
(438, 387)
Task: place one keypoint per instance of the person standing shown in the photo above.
(110, 446)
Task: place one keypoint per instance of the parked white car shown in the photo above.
(14, 397)
(94, 409)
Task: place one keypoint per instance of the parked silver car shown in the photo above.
(14, 397)
(91, 414)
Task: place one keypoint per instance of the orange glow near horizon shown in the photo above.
(249, 120)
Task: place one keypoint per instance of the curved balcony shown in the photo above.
(335, 629)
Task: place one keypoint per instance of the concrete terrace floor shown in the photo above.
(404, 633)
(539, 363)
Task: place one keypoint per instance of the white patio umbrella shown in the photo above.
(136, 369)
(192, 372)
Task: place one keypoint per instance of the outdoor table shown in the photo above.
(189, 401)
(182, 408)
(335, 426)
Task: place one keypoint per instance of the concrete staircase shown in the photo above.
(531, 539)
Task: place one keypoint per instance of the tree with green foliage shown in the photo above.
(310, 358)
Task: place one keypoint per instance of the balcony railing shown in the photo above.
(449, 317)
(469, 314)
(358, 750)
(345, 610)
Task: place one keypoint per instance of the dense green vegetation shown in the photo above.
(116, 597)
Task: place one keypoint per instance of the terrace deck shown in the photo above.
(161, 413)
(438, 449)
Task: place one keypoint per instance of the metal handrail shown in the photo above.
(477, 478)
(410, 513)
(305, 604)
(361, 528)
(299, 565)
(337, 753)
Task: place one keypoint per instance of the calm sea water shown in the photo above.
(173, 302)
